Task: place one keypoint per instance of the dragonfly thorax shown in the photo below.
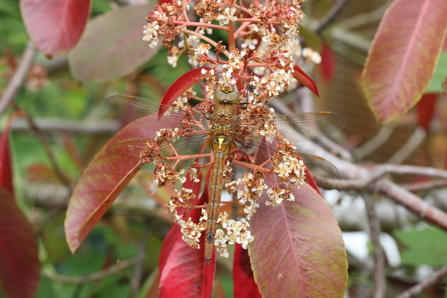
(223, 108)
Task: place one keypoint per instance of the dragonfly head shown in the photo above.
(226, 94)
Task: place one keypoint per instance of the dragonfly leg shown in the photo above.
(259, 168)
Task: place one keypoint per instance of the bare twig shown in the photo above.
(374, 234)
(333, 13)
(138, 270)
(94, 276)
(410, 145)
(72, 126)
(378, 171)
(60, 174)
(412, 170)
(18, 78)
(437, 277)
(425, 185)
(364, 18)
(412, 202)
(383, 186)
(375, 142)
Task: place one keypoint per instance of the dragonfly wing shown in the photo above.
(305, 126)
(145, 112)
(261, 150)
(319, 167)
(127, 151)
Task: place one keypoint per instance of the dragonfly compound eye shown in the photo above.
(226, 94)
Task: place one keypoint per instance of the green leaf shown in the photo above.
(423, 247)
(439, 75)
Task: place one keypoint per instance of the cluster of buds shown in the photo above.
(287, 165)
(260, 56)
(262, 48)
(232, 232)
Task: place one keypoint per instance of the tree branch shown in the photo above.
(378, 257)
(18, 78)
(383, 186)
(60, 174)
(94, 276)
(437, 277)
(332, 14)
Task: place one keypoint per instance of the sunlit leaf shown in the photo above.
(403, 56)
(298, 250)
(55, 26)
(19, 261)
(112, 45)
(95, 187)
(180, 85)
(305, 80)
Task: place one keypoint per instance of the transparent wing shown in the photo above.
(302, 127)
(129, 151)
(145, 112)
(297, 128)
(305, 126)
(319, 167)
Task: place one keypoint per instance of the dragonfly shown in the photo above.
(215, 134)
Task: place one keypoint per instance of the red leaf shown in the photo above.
(40, 173)
(305, 80)
(182, 269)
(55, 26)
(298, 249)
(98, 186)
(311, 181)
(112, 45)
(327, 64)
(177, 88)
(19, 260)
(426, 109)
(403, 56)
(243, 281)
(5, 161)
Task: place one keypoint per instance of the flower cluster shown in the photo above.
(263, 45)
(191, 231)
(287, 165)
(233, 232)
(261, 55)
(164, 174)
(248, 190)
(278, 195)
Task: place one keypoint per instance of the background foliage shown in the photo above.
(66, 103)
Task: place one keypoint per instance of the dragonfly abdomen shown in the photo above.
(221, 148)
